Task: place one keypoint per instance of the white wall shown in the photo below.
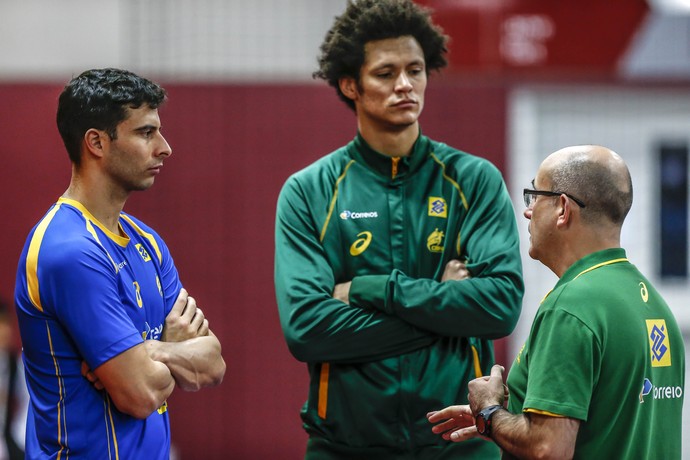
(206, 40)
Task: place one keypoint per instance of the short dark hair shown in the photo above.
(342, 51)
(607, 193)
(99, 98)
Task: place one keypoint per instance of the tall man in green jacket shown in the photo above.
(397, 257)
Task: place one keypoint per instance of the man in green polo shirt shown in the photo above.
(602, 372)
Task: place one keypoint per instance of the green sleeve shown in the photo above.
(563, 365)
(488, 304)
(368, 290)
(316, 326)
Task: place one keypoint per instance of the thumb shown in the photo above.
(497, 371)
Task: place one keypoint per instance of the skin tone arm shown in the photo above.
(135, 393)
(527, 435)
(188, 347)
(454, 271)
(190, 357)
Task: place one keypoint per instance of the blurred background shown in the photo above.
(526, 77)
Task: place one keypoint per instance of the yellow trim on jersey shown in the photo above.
(477, 365)
(90, 229)
(608, 262)
(333, 200)
(32, 259)
(594, 267)
(120, 240)
(146, 235)
(61, 417)
(323, 390)
(449, 179)
(543, 412)
(112, 428)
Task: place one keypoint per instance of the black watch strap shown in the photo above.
(483, 419)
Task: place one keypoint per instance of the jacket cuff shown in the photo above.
(369, 291)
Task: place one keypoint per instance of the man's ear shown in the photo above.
(94, 139)
(348, 86)
(565, 212)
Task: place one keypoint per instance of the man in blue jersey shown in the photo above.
(107, 329)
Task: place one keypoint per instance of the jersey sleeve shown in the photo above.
(563, 362)
(316, 326)
(78, 281)
(486, 305)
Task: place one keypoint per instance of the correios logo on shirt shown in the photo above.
(150, 333)
(345, 215)
(660, 392)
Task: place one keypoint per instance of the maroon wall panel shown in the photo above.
(214, 204)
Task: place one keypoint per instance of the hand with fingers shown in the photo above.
(455, 270)
(457, 423)
(185, 321)
(454, 423)
(90, 376)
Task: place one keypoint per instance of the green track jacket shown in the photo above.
(407, 343)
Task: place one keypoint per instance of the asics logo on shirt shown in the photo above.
(643, 292)
(345, 215)
(361, 244)
(137, 292)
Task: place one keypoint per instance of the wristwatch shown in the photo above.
(483, 419)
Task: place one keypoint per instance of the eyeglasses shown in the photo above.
(531, 195)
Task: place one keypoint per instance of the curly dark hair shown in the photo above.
(342, 51)
(99, 98)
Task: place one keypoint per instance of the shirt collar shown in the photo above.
(384, 164)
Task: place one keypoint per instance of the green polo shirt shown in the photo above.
(605, 349)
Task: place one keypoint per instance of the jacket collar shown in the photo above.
(385, 165)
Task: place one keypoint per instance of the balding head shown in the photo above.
(597, 176)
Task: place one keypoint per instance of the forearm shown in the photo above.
(318, 327)
(486, 306)
(534, 436)
(194, 364)
(332, 331)
(137, 394)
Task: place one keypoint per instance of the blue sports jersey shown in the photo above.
(84, 293)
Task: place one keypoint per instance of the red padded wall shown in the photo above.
(214, 204)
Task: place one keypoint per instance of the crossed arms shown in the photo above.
(140, 379)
